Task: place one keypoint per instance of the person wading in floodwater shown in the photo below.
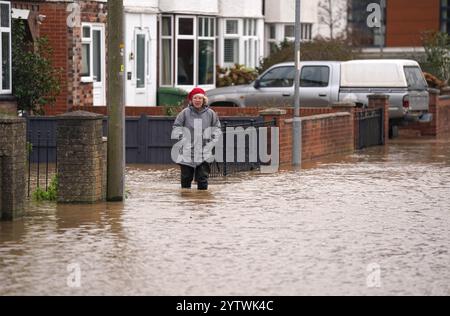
(197, 118)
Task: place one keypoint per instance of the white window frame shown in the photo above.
(84, 40)
(233, 36)
(192, 37)
(250, 42)
(6, 30)
(211, 21)
(146, 34)
(172, 52)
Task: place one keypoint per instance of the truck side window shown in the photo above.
(315, 76)
(280, 77)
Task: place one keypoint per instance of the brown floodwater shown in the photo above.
(373, 223)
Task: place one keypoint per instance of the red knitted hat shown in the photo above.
(196, 91)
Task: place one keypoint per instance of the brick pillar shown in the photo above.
(81, 158)
(349, 107)
(377, 101)
(286, 128)
(432, 129)
(13, 167)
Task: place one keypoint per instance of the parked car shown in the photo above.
(325, 82)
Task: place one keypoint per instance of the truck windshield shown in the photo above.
(415, 79)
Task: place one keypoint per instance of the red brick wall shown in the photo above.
(439, 126)
(408, 19)
(55, 28)
(443, 117)
(328, 134)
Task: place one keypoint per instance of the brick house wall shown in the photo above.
(407, 19)
(66, 43)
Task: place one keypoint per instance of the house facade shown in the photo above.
(168, 43)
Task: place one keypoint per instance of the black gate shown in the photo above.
(227, 167)
(371, 128)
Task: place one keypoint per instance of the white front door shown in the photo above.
(98, 65)
(142, 67)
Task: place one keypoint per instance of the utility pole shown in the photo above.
(116, 104)
(297, 130)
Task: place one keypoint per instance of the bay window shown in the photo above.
(188, 43)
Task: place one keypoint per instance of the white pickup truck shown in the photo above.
(325, 82)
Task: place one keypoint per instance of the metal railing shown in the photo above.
(226, 167)
(42, 161)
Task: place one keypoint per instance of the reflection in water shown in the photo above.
(319, 230)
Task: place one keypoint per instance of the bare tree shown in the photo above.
(332, 14)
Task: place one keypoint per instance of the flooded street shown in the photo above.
(373, 223)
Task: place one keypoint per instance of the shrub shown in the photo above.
(36, 82)
(338, 49)
(236, 75)
(50, 195)
(437, 54)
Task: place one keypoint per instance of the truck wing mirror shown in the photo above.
(257, 84)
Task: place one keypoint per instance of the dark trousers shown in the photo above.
(201, 174)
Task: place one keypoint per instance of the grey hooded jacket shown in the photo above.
(187, 120)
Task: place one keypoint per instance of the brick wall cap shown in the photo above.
(378, 96)
(272, 111)
(444, 97)
(325, 116)
(79, 115)
(344, 104)
(7, 119)
(434, 91)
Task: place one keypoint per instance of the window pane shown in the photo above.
(166, 26)
(272, 32)
(86, 32)
(232, 27)
(212, 28)
(206, 62)
(185, 71)
(231, 52)
(85, 61)
(289, 31)
(140, 61)
(97, 52)
(414, 78)
(186, 26)
(273, 48)
(200, 27)
(4, 7)
(206, 23)
(279, 77)
(314, 76)
(6, 61)
(166, 68)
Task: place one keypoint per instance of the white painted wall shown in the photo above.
(141, 3)
(207, 7)
(240, 8)
(147, 96)
(283, 11)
